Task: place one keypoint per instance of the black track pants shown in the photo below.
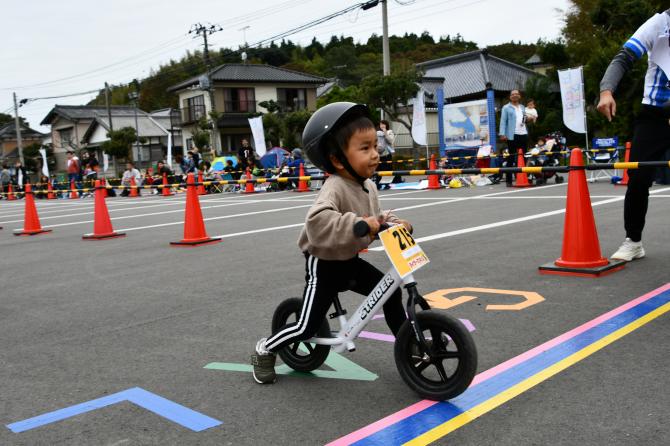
(651, 139)
(323, 280)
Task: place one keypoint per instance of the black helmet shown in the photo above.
(321, 124)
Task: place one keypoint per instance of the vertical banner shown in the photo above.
(440, 120)
(572, 96)
(169, 150)
(45, 166)
(258, 133)
(419, 120)
(105, 162)
(491, 109)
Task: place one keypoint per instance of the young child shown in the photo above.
(340, 139)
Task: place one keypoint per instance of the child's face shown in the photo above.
(361, 152)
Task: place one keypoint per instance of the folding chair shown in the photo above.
(228, 187)
(602, 156)
(460, 158)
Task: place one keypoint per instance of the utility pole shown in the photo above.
(17, 123)
(109, 107)
(134, 96)
(386, 53)
(204, 30)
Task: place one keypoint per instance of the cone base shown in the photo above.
(192, 243)
(523, 185)
(103, 236)
(303, 190)
(29, 233)
(169, 194)
(248, 192)
(599, 271)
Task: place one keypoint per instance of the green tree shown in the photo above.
(594, 32)
(120, 142)
(392, 94)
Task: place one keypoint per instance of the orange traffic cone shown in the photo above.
(302, 184)
(581, 254)
(166, 188)
(194, 227)
(249, 188)
(624, 181)
(10, 193)
(31, 221)
(133, 188)
(521, 178)
(102, 225)
(201, 187)
(73, 191)
(433, 180)
(50, 191)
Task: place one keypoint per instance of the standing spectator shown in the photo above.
(385, 140)
(244, 153)
(129, 173)
(72, 167)
(513, 130)
(5, 179)
(197, 159)
(20, 176)
(651, 134)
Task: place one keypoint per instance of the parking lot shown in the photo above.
(166, 332)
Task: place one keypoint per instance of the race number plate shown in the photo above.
(404, 253)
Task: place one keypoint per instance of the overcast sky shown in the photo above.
(58, 48)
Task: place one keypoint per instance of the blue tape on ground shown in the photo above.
(415, 425)
(160, 406)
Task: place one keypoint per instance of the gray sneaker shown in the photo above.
(264, 367)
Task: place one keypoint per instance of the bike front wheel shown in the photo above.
(300, 356)
(452, 363)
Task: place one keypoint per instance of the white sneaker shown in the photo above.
(629, 250)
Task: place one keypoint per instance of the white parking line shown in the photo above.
(511, 221)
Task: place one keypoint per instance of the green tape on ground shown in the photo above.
(342, 368)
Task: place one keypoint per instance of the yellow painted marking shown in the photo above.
(487, 406)
(439, 299)
(531, 169)
(417, 172)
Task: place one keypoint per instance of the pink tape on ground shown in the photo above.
(424, 404)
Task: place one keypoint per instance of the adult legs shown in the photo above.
(651, 138)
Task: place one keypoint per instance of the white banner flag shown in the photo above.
(19, 176)
(105, 162)
(419, 120)
(572, 96)
(169, 150)
(45, 166)
(257, 131)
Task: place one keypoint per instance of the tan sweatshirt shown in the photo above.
(328, 233)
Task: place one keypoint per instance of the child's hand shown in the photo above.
(373, 223)
(406, 224)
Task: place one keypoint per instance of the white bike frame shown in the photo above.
(350, 328)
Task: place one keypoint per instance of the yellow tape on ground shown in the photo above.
(487, 406)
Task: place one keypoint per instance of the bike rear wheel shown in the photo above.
(449, 369)
(300, 356)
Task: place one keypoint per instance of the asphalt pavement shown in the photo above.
(83, 320)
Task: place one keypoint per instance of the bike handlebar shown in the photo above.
(361, 228)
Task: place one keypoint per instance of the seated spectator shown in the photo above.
(42, 188)
(129, 173)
